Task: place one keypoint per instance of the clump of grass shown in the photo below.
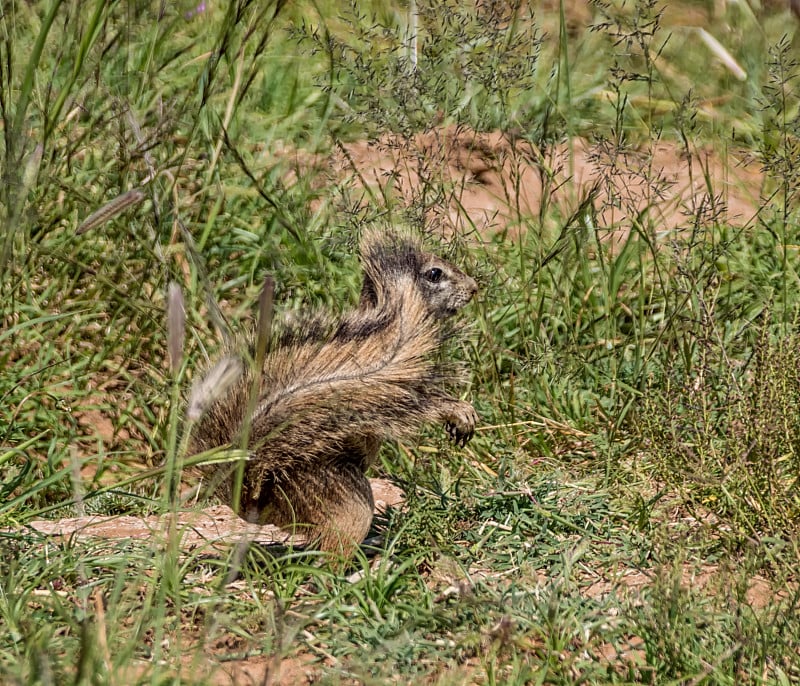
(403, 71)
(731, 388)
(732, 441)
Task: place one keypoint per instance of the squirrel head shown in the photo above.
(392, 260)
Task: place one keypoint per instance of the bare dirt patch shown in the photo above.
(705, 579)
(499, 182)
(259, 670)
(298, 670)
(214, 526)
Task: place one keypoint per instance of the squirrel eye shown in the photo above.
(434, 275)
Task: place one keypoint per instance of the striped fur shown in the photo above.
(331, 392)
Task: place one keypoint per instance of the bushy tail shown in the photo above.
(370, 375)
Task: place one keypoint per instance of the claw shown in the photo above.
(460, 426)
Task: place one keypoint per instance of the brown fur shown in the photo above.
(332, 392)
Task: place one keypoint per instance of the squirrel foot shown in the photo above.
(459, 419)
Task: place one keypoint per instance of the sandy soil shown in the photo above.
(216, 526)
(498, 182)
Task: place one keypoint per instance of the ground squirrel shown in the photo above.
(331, 391)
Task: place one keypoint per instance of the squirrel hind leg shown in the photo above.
(331, 505)
(349, 504)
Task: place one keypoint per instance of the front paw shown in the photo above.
(460, 423)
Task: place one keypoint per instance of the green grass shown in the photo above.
(635, 477)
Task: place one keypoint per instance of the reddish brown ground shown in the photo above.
(501, 183)
(216, 527)
(298, 670)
